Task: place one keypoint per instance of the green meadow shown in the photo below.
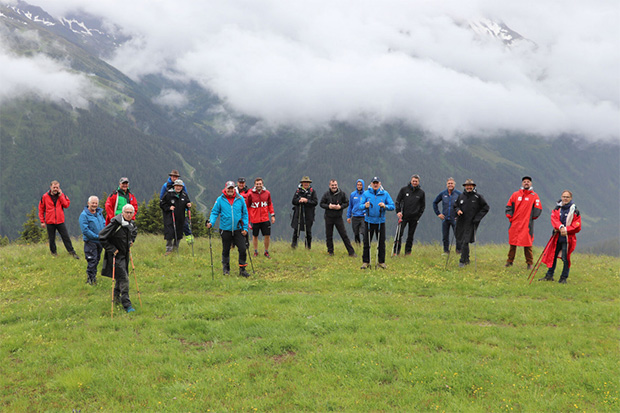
(308, 332)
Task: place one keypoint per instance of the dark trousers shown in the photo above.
(64, 235)
(308, 231)
(186, 228)
(369, 231)
(92, 253)
(445, 232)
(465, 253)
(342, 231)
(229, 238)
(358, 225)
(560, 248)
(527, 251)
(121, 287)
(411, 227)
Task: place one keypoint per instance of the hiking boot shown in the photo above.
(563, 281)
(354, 255)
(530, 266)
(54, 254)
(546, 278)
(382, 265)
(243, 272)
(331, 254)
(167, 253)
(226, 271)
(508, 264)
(255, 253)
(365, 265)
(462, 264)
(131, 310)
(267, 254)
(74, 255)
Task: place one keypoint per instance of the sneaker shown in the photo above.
(131, 310)
(54, 254)
(462, 264)
(530, 266)
(189, 238)
(508, 264)
(267, 254)
(226, 271)
(563, 281)
(354, 255)
(382, 265)
(331, 254)
(243, 272)
(546, 278)
(365, 265)
(255, 253)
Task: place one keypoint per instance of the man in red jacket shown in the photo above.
(118, 199)
(522, 209)
(52, 217)
(259, 210)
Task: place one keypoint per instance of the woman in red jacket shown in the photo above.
(566, 222)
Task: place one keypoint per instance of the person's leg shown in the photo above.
(91, 253)
(121, 288)
(445, 235)
(329, 235)
(529, 255)
(255, 232)
(366, 235)
(66, 239)
(399, 238)
(381, 230)
(294, 241)
(267, 237)
(464, 253)
(227, 240)
(51, 236)
(457, 242)
(565, 267)
(342, 231)
(410, 233)
(309, 235)
(512, 251)
(239, 241)
(169, 245)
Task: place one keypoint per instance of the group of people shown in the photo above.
(241, 209)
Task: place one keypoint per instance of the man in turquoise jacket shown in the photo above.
(91, 224)
(233, 213)
(375, 202)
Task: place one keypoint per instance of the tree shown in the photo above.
(32, 232)
(198, 222)
(150, 219)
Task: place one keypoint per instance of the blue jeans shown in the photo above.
(445, 230)
(561, 247)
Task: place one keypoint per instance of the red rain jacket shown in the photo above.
(522, 209)
(259, 206)
(572, 229)
(51, 212)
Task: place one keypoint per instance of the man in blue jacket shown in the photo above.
(375, 201)
(91, 224)
(233, 213)
(447, 198)
(355, 216)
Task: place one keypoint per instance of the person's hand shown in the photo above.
(189, 205)
(208, 225)
(399, 215)
(381, 204)
(42, 224)
(349, 220)
(244, 233)
(441, 216)
(367, 204)
(459, 213)
(303, 200)
(172, 208)
(115, 252)
(59, 191)
(273, 219)
(563, 231)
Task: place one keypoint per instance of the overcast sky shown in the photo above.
(310, 62)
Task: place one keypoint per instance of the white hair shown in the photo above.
(93, 198)
(128, 207)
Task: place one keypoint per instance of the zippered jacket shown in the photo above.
(474, 208)
(51, 208)
(232, 216)
(411, 201)
(562, 216)
(179, 200)
(115, 203)
(354, 200)
(338, 198)
(117, 235)
(447, 204)
(306, 208)
(375, 214)
(522, 209)
(259, 205)
(169, 184)
(91, 224)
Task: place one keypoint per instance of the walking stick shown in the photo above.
(396, 240)
(133, 269)
(538, 261)
(113, 281)
(247, 248)
(189, 216)
(475, 248)
(449, 249)
(378, 237)
(211, 253)
(174, 225)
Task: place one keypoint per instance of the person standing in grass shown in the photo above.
(304, 202)
(566, 222)
(91, 224)
(375, 201)
(168, 185)
(355, 217)
(333, 202)
(522, 209)
(470, 208)
(410, 205)
(447, 198)
(117, 237)
(52, 216)
(118, 199)
(232, 211)
(175, 202)
(262, 214)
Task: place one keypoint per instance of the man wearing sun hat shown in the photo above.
(167, 186)
(304, 202)
(470, 207)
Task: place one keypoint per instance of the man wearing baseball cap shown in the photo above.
(522, 209)
(118, 199)
(375, 202)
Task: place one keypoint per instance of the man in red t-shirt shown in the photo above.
(261, 214)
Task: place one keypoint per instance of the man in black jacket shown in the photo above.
(117, 238)
(304, 201)
(470, 208)
(334, 201)
(410, 205)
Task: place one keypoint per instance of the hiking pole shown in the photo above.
(449, 249)
(189, 216)
(247, 248)
(298, 233)
(211, 252)
(303, 211)
(113, 281)
(538, 261)
(396, 237)
(475, 248)
(378, 237)
(133, 269)
(174, 225)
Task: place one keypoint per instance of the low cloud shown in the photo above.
(308, 63)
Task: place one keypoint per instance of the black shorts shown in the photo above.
(263, 227)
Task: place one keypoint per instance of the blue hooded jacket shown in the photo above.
(232, 217)
(354, 201)
(375, 214)
(168, 185)
(91, 224)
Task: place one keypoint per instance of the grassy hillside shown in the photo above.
(308, 332)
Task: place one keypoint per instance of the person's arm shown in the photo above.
(324, 201)
(106, 233)
(88, 233)
(244, 216)
(575, 226)
(296, 197)
(345, 201)
(109, 207)
(389, 204)
(536, 208)
(436, 202)
(313, 200)
(42, 211)
(64, 200)
(423, 207)
(484, 208)
(510, 208)
(399, 200)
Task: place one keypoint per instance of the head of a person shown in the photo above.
(376, 183)
(93, 203)
(333, 185)
(174, 175)
(123, 183)
(178, 185)
(450, 184)
(230, 188)
(128, 211)
(469, 185)
(567, 196)
(241, 183)
(305, 182)
(526, 182)
(415, 180)
(359, 185)
(54, 187)
(258, 184)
